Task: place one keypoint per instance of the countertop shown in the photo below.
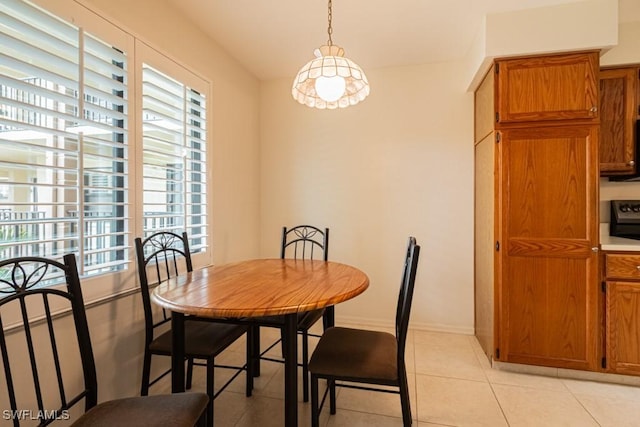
(610, 243)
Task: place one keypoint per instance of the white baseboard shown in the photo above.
(417, 326)
(546, 371)
(434, 327)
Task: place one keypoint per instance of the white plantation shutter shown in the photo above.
(174, 157)
(63, 141)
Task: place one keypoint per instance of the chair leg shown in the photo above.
(249, 361)
(305, 365)
(282, 349)
(404, 400)
(315, 408)
(210, 382)
(146, 372)
(256, 351)
(332, 396)
(189, 373)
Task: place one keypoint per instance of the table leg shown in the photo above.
(291, 370)
(177, 352)
(329, 318)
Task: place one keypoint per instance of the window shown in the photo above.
(174, 157)
(72, 145)
(64, 136)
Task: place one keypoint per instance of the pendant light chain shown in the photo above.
(330, 80)
(330, 29)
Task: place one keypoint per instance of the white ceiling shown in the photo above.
(275, 38)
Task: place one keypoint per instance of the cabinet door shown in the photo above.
(618, 109)
(548, 88)
(549, 217)
(623, 327)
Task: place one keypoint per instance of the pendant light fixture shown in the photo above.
(330, 80)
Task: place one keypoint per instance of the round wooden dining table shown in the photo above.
(254, 288)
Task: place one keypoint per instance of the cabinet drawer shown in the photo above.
(623, 266)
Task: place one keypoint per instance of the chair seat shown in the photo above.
(355, 354)
(202, 339)
(176, 410)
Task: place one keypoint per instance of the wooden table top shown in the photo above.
(260, 287)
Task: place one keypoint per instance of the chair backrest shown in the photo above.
(304, 242)
(29, 290)
(405, 298)
(166, 253)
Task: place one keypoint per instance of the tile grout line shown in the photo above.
(581, 404)
(504, 415)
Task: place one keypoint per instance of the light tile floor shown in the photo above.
(451, 384)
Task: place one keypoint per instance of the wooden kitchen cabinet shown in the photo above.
(557, 87)
(618, 114)
(539, 163)
(622, 313)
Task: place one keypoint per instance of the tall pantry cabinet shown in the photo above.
(536, 211)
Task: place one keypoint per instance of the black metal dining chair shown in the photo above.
(37, 293)
(299, 242)
(161, 256)
(354, 356)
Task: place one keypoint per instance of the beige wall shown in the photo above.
(626, 51)
(398, 164)
(581, 25)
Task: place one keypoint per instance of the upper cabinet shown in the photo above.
(549, 88)
(618, 115)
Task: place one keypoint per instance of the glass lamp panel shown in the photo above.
(329, 71)
(344, 72)
(329, 61)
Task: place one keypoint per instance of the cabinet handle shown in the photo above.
(595, 249)
(638, 267)
(593, 109)
(631, 163)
